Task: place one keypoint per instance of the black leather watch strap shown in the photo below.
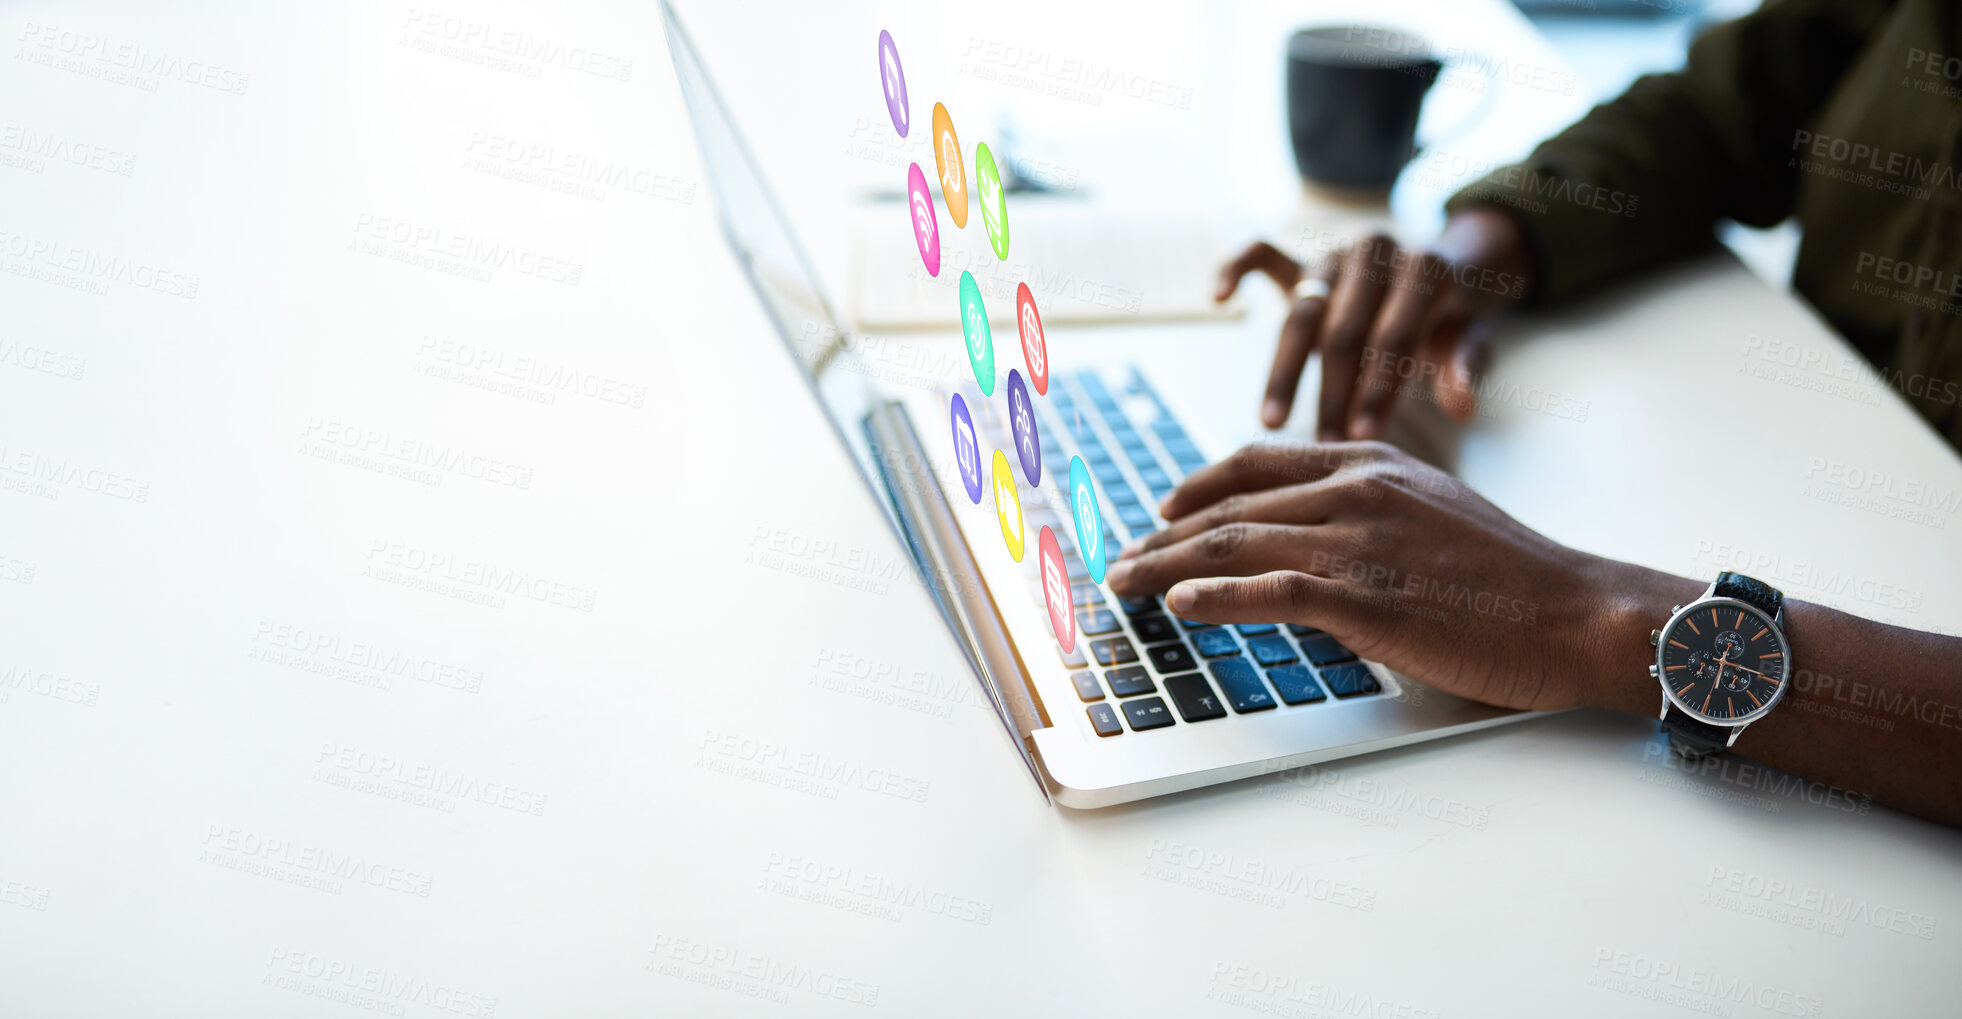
(1750, 591)
(1691, 738)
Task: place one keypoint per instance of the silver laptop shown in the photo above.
(1146, 704)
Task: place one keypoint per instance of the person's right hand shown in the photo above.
(1392, 320)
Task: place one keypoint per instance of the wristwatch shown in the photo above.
(1723, 663)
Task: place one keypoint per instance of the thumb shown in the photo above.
(1280, 596)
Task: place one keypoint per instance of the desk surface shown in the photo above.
(400, 615)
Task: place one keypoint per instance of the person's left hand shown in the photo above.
(1406, 566)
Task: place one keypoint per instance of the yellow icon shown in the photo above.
(1008, 505)
(953, 173)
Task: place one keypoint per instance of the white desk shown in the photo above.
(257, 759)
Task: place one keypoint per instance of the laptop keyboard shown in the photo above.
(1131, 651)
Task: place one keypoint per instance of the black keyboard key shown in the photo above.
(1149, 713)
(1096, 622)
(1255, 629)
(1104, 719)
(1086, 596)
(1241, 685)
(1119, 495)
(1169, 430)
(1129, 682)
(1086, 686)
(1153, 476)
(1153, 629)
(1195, 699)
(1073, 565)
(1302, 631)
(1351, 679)
(1095, 455)
(1114, 651)
(1135, 607)
(1073, 659)
(1108, 472)
(1214, 641)
(1271, 650)
(1169, 658)
(1296, 684)
(1323, 649)
(1190, 625)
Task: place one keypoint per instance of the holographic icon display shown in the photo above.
(1035, 349)
(994, 206)
(1022, 428)
(1089, 519)
(892, 80)
(1008, 506)
(1056, 590)
(926, 227)
(947, 158)
(980, 338)
(967, 452)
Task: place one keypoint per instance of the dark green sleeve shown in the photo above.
(1645, 178)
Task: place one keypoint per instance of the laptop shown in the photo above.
(1146, 704)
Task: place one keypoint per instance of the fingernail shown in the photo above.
(1181, 596)
(1119, 572)
(1273, 413)
(1165, 507)
(1130, 550)
(1367, 427)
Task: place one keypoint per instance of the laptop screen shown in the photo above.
(778, 267)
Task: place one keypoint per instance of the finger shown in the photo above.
(1259, 256)
(1236, 550)
(1306, 504)
(1256, 468)
(1351, 312)
(1281, 596)
(1299, 335)
(1408, 312)
(1462, 348)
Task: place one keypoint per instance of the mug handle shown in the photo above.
(1470, 119)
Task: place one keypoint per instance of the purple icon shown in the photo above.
(967, 452)
(893, 80)
(1022, 426)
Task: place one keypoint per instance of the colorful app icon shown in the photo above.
(1022, 428)
(967, 452)
(1008, 506)
(994, 205)
(1089, 519)
(1056, 590)
(1035, 349)
(953, 174)
(926, 228)
(980, 339)
(892, 79)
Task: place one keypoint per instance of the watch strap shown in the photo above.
(1692, 738)
(1750, 591)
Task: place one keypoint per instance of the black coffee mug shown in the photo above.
(1354, 94)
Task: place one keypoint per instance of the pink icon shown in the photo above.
(1056, 591)
(1035, 349)
(926, 226)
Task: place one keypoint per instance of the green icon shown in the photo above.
(980, 341)
(994, 204)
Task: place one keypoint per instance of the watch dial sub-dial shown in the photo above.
(1723, 661)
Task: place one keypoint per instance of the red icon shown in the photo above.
(1035, 349)
(1056, 591)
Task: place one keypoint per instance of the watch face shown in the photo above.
(1722, 661)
